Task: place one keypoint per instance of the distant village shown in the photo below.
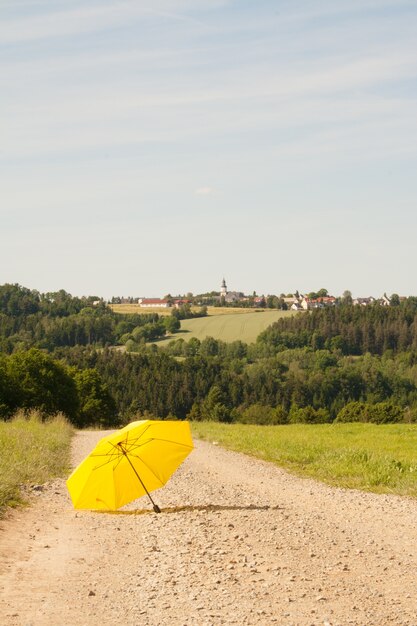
(292, 302)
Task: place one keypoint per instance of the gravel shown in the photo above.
(238, 541)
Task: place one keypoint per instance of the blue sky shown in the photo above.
(154, 147)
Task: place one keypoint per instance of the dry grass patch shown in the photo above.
(130, 309)
(31, 451)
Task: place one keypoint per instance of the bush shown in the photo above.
(308, 415)
(386, 413)
(379, 413)
(261, 414)
(354, 412)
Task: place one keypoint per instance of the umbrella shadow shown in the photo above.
(209, 508)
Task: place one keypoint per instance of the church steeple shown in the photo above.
(223, 289)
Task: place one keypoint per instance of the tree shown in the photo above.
(192, 347)
(209, 347)
(96, 405)
(172, 324)
(6, 390)
(347, 297)
(213, 407)
(40, 382)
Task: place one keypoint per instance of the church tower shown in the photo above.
(223, 289)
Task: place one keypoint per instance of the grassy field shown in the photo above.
(31, 452)
(228, 327)
(382, 459)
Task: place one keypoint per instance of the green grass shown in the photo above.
(381, 459)
(231, 327)
(31, 452)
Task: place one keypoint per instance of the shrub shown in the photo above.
(379, 413)
(354, 412)
(308, 415)
(386, 413)
(261, 414)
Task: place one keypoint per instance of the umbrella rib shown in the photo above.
(129, 454)
(111, 456)
(110, 460)
(177, 443)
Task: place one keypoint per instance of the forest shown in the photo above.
(342, 363)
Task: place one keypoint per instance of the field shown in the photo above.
(129, 309)
(230, 327)
(211, 310)
(381, 459)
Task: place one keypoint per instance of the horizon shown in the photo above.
(149, 147)
(183, 294)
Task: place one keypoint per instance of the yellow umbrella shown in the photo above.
(130, 463)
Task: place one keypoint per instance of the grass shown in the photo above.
(230, 327)
(377, 458)
(31, 452)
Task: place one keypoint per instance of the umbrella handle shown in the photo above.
(155, 506)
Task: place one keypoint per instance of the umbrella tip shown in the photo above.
(156, 508)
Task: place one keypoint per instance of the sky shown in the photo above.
(156, 146)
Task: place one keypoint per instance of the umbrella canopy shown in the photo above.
(130, 463)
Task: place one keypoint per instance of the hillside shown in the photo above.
(231, 327)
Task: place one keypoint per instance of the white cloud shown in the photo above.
(96, 18)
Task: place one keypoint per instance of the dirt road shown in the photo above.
(238, 542)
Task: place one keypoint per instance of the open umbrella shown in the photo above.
(130, 463)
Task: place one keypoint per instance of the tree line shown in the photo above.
(350, 329)
(343, 363)
(31, 319)
(32, 379)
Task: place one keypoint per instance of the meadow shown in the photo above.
(228, 327)
(31, 452)
(369, 457)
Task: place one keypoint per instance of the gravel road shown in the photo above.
(239, 541)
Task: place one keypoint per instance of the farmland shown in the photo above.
(231, 327)
(127, 309)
